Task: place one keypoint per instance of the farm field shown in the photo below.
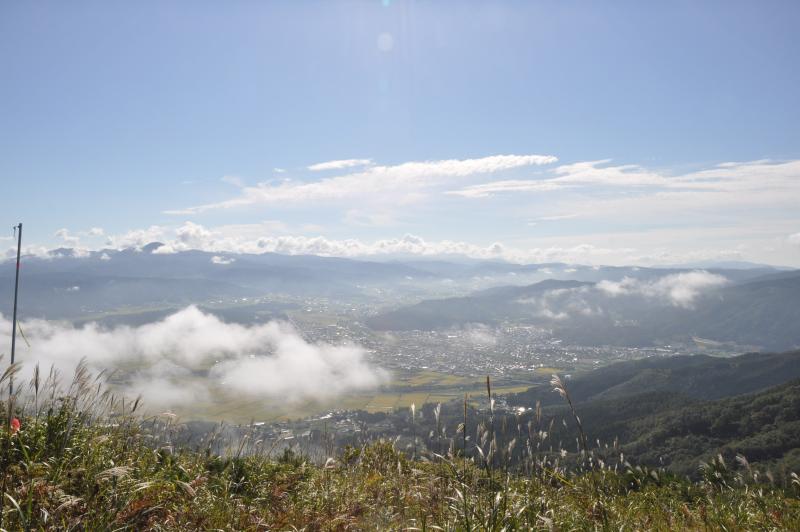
(414, 388)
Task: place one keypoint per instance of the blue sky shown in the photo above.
(580, 131)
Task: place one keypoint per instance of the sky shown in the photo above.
(592, 132)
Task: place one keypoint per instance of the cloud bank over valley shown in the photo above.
(191, 356)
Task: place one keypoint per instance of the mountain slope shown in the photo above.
(673, 430)
(761, 312)
(487, 306)
(697, 377)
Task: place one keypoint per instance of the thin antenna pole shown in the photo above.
(16, 293)
(17, 227)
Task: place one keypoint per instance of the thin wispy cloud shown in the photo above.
(749, 205)
(730, 177)
(616, 212)
(602, 173)
(339, 165)
(508, 186)
(398, 183)
(757, 193)
(557, 217)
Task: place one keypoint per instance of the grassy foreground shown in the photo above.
(84, 460)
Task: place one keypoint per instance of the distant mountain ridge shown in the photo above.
(68, 284)
(760, 311)
(72, 284)
(728, 265)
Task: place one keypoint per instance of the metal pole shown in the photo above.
(11, 379)
(16, 293)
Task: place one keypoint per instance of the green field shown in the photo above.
(415, 388)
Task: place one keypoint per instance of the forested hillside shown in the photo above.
(760, 312)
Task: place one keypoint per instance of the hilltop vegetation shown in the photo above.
(86, 460)
(671, 412)
(661, 412)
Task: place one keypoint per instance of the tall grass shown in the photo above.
(87, 459)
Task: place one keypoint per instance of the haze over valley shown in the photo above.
(268, 336)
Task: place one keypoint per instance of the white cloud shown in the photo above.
(401, 183)
(67, 238)
(168, 249)
(339, 165)
(557, 217)
(260, 238)
(730, 178)
(746, 208)
(192, 234)
(268, 361)
(70, 240)
(623, 213)
(35, 251)
(187, 236)
(297, 370)
(679, 289)
(592, 173)
(137, 238)
(561, 303)
(513, 185)
(580, 174)
(216, 259)
(414, 245)
(648, 246)
(794, 239)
